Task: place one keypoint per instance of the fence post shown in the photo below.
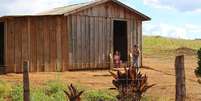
(26, 81)
(180, 78)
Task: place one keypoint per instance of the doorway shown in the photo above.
(120, 39)
(2, 44)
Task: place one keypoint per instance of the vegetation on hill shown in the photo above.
(156, 45)
(198, 70)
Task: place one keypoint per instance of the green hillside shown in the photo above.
(153, 45)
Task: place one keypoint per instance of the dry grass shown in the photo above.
(162, 73)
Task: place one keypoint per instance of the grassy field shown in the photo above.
(165, 46)
(159, 54)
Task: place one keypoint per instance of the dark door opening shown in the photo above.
(120, 39)
(2, 44)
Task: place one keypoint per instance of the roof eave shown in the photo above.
(144, 17)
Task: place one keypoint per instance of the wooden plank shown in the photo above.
(129, 35)
(134, 30)
(92, 41)
(58, 39)
(180, 78)
(40, 45)
(65, 44)
(33, 48)
(26, 92)
(10, 46)
(24, 40)
(108, 40)
(87, 40)
(18, 45)
(83, 43)
(101, 47)
(140, 44)
(29, 41)
(79, 43)
(74, 44)
(104, 42)
(5, 44)
(46, 46)
(112, 10)
(111, 37)
(132, 34)
(96, 36)
(70, 41)
(53, 44)
(116, 12)
(138, 37)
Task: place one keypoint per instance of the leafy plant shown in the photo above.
(131, 84)
(198, 69)
(53, 91)
(17, 93)
(53, 87)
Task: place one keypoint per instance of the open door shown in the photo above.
(2, 62)
(120, 39)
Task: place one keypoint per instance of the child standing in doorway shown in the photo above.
(117, 59)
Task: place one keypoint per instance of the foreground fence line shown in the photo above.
(180, 78)
(26, 81)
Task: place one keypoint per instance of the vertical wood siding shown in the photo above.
(82, 40)
(92, 35)
(41, 40)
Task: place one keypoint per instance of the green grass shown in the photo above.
(5, 89)
(153, 45)
(53, 91)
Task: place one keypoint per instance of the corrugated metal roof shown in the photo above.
(66, 10)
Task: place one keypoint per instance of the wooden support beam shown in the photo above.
(180, 78)
(26, 81)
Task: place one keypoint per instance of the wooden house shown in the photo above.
(75, 37)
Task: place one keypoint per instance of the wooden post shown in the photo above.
(180, 78)
(111, 62)
(26, 81)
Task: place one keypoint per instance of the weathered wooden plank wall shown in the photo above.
(92, 35)
(82, 40)
(41, 40)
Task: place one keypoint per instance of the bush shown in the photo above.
(39, 95)
(4, 90)
(198, 69)
(17, 93)
(54, 87)
(54, 90)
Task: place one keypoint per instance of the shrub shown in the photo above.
(53, 87)
(4, 90)
(17, 93)
(198, 69)
(39, 95)
(54, 91)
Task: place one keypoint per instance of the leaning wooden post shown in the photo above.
(26, 81)
(180, 78)
(111, 62)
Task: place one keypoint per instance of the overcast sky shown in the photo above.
(170, 18)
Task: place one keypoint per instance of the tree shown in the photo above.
(198, 69)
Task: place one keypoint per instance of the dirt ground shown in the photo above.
(161, 73)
